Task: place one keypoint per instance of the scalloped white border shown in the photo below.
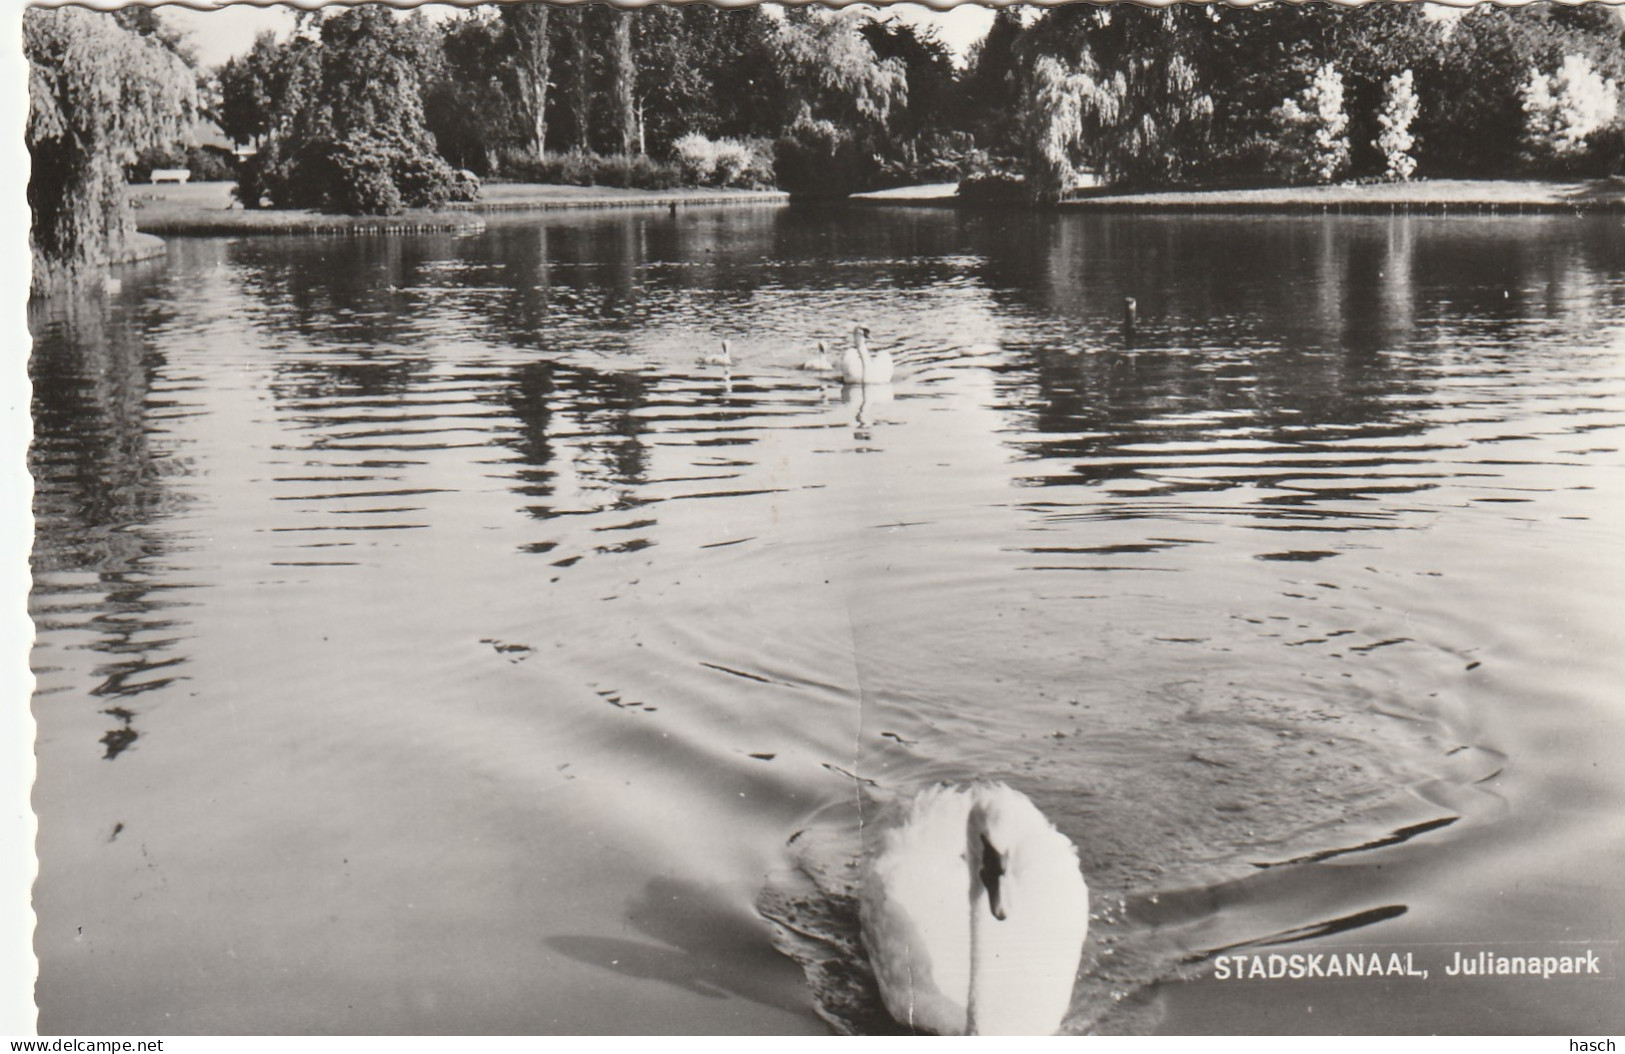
(18, 969)
(17, 826)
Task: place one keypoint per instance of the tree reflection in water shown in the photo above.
(102, 572)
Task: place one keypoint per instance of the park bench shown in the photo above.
(171, 175)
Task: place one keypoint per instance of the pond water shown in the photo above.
(428, 643)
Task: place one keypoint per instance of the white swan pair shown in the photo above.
(974, 913)
(860, 365)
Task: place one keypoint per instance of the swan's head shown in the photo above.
(859, 332)
(993, 832)
(822, 350)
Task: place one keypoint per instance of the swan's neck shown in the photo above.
(981, 916)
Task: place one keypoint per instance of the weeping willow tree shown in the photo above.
(1115, 90)
(839, 97)
(98, 95)
(1053, 118)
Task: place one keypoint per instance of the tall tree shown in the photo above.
(624, 79)
(747, 71)
(991, 89)
(350, 130)
(531, 50)
(247, 91)
(1372, 44)
(931, 86)
(576, 71)
(673, 91)
(98, 95)
(837, 101)
(469, 102)
(145, 21)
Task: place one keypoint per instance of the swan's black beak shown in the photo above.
(990, 874)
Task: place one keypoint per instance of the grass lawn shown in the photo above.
(924, 194)
(513, 196)
(208, 208)
(1422, 195)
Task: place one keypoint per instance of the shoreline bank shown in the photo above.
(207, 208)
(1429, 197)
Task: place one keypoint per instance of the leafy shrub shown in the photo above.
(994, 188)
(581, 169)
(724, 162)
(465, 186)
(1311, 131)
(429, 180)
(638, 171)
(212, 164)
(815, 159)
(938, 157)
(1566, 115)
(365, 174)
(363, 183)
(264, 178)
(1608, 150)
(696, 158)
(757, 171)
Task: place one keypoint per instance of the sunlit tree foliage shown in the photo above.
(1395, 141)
(1562, 110)
(1311, 130)
(1472, 121)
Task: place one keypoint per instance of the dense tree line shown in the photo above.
(525, 90)
(1312, 92)
(820, 101)
(369, 109)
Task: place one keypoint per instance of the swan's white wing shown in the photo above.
(1030, 958)
(880, 367)
(914, 912)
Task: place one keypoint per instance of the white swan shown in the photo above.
(724, 359)
(819, 361)
(974, 913)
(861, 366)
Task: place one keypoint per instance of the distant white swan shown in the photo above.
(974, 913)
(725, 358)
(819, 361)
(861, 366)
